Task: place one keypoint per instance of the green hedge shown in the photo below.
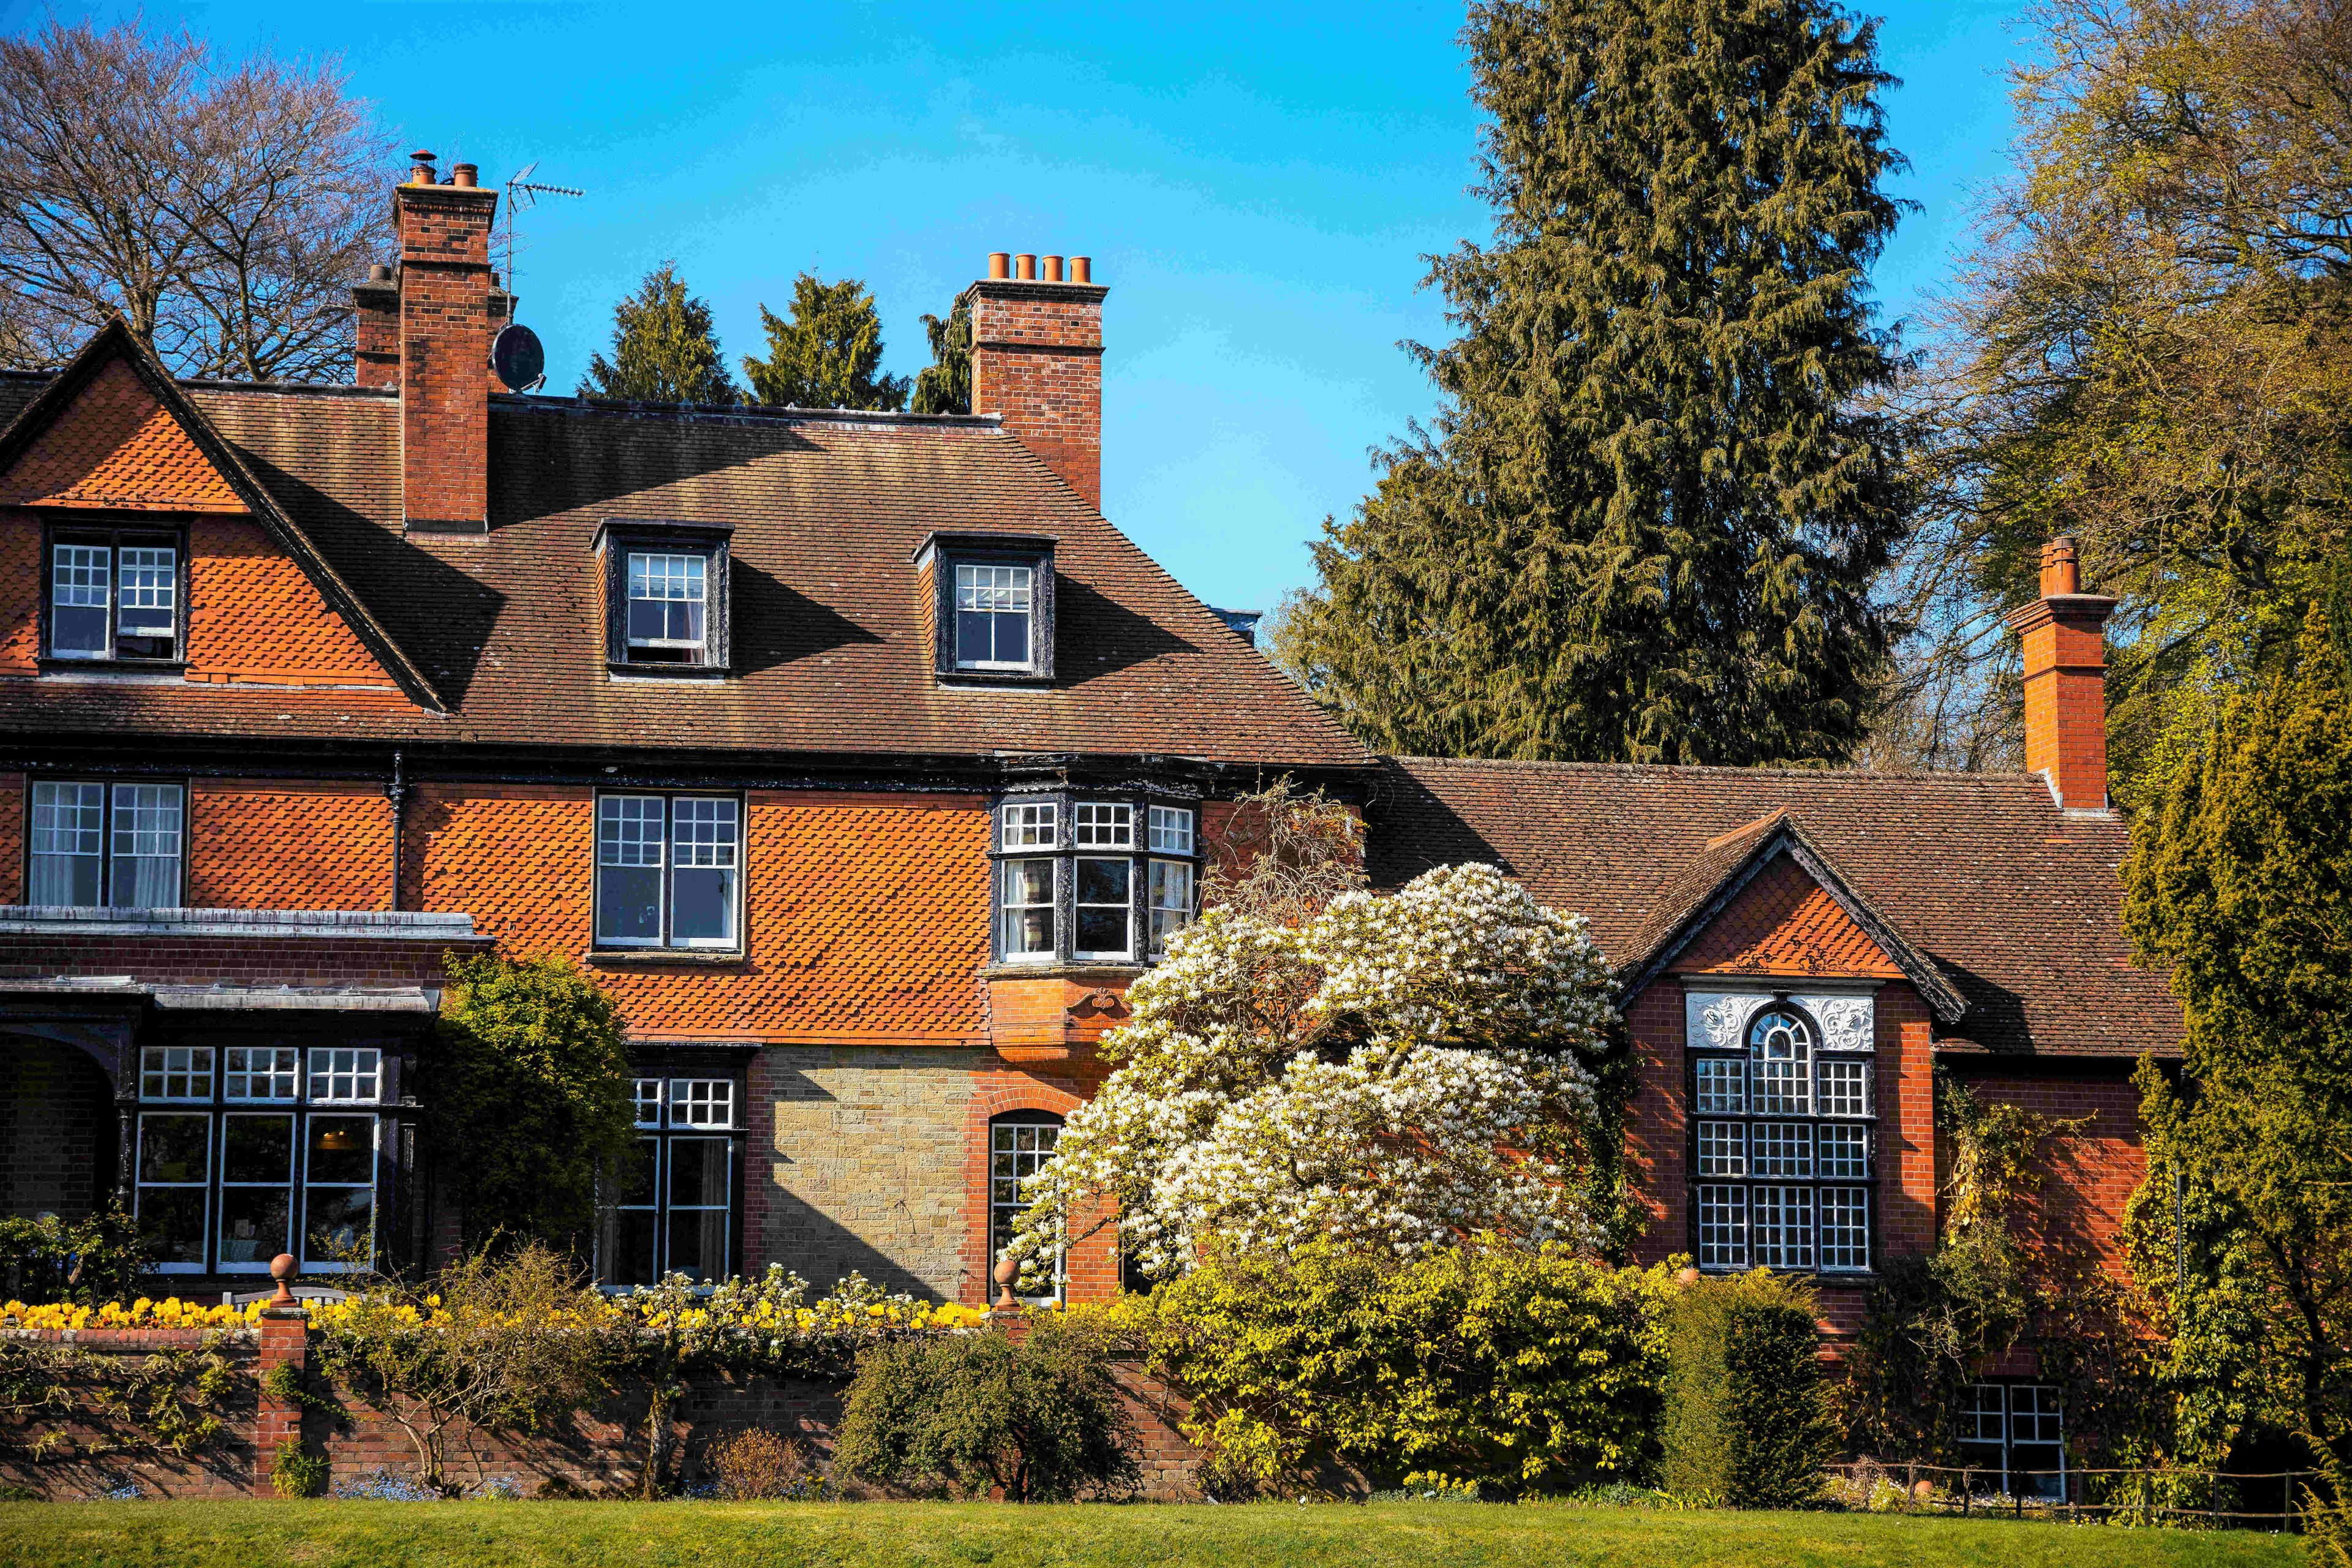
(1746, 1410)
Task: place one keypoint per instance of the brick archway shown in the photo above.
(994, 1093)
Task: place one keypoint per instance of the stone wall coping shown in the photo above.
(132, 1339)
(388, 925)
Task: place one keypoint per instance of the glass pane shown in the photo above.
(345, 1073)
(698, 1172)
(1722, 1149)
(255, 1225)
(1029, 824)
(1103, 933)
(1722, 1228)
(341, 1227)
(628, 904)
(174, 1148)
(1781, 1052)
(259, 1072)
(1171, 830)
(636, 1172)
(628, 1247)
(1844, 1151)
(343, 1150)
(697, 1243)
(145, 596)
(171, 1221)
(702, 907)
(1722, 1086)
(1103, 825)
(257, 1149)
(146, 847)
(1783, 1149)
(1783, 1220)
(1104, 881)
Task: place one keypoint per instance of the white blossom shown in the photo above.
(1395, 1072)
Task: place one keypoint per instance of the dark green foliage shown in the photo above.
(663, 350)
(87, 1261)
(945, 385)
(296, 1472)
(827, 355)
(2241, 884)
(1645, 525)
(1748, 1419)
(1039, 1415)
(530, 1097)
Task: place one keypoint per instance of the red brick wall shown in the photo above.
(1094, 1259)
(235, 960)
(55, 1108)
(1037, 360)
(2077, 1213)
(288, 845)
(1782, 922)
(866, 917)
(255, 616)
(2066, 707)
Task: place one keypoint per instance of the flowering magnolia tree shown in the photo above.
(1397, 1070)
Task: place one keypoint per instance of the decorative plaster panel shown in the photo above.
(1717, 1020)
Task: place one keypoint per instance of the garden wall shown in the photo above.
(597, 1450)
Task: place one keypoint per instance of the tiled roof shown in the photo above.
(829, 629)
(2016, 902)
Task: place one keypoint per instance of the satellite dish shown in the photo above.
(516, 358)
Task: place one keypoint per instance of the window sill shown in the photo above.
(949, 679)
(667, 957)
(1087, 971)
(625, 670)
(49, 664)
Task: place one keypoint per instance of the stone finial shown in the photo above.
(282, 1269)
(1008, 1269)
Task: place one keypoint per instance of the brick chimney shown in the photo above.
(1036, 359)
(449, 308)
(2065, 681)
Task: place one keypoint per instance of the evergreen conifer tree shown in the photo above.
(663, 350)
(827, 355)
(945, 387)
(2241, 884)
(1646, 524)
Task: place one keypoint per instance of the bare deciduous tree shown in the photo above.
(222, 212)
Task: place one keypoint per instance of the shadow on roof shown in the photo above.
(1099, 637)
(776, 624)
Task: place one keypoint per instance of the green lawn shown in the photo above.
(328, 1534)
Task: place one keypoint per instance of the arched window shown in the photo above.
(1782, 1150)
(1020, 1144)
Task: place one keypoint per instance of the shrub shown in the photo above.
(756, 1464)
(1488, 1365)
(532, 1106)
(1747, 1414)
(296, 1472)
(1039, 1415)
(47, 1260)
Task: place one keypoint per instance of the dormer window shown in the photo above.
(992, 606)
(665, 596)
(114, 597)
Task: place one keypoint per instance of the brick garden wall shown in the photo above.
(600, 1449)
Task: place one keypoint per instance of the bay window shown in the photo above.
(667, 871)
(245, 1151)
(1083, 878)
(1782, 1136)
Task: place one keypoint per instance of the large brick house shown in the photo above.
(864, 763)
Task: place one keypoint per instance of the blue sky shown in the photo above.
(1257, 186)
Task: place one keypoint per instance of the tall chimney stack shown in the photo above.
(2065, 637)
(1036, 359)
(449, 309)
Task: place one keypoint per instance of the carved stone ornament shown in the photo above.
(1717, 1020)
(1848, 1023)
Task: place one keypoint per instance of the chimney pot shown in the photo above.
(1000, 264)
(380, 273)
(465, 175)
(422, 173)
(1053, 268)
(1024, 267)
(2062, 567)
(1082, 268)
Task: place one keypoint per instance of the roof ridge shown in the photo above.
(1778, 770)
(756, 413)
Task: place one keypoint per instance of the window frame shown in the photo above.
(116, 537)
(1020, 1117)
(217, 1107)
(1067, 855)
(107, 785)
(1967, 1434)
(941, 555)
(663, 1129)
(1709, 1180)
(616, 538)
(735, 944)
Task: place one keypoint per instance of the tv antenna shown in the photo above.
(523, 195)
